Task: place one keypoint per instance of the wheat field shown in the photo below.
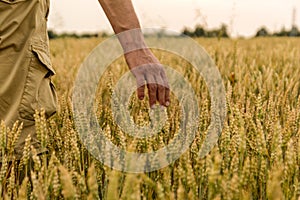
(256, 157)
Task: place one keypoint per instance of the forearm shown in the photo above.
(123, 18)
(120, 14)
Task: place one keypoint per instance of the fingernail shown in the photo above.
(153, 107)
(167, 103)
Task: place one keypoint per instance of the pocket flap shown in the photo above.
(43, 57)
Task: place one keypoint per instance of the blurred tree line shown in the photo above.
(293, 32)
(200, 31)
(53, 35)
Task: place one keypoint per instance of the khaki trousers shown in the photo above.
(25, 66)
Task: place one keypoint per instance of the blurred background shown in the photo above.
(242, 18)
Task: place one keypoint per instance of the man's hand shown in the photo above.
(142, 63)
(148, 71)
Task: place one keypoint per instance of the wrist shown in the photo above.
(140, 57)
(132, 40)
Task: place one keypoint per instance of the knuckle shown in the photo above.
(152, 87)
(160, 87)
